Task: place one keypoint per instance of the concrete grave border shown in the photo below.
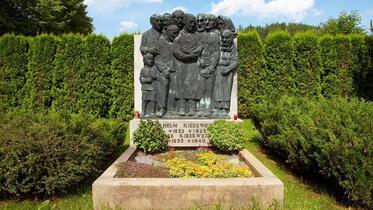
(179, 193)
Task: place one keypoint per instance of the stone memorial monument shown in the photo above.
(185, 77)
(185, 74)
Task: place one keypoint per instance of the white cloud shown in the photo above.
(294, 10)
(127, 25)
(176, 8)
(112, 4)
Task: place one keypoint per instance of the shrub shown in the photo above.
(13, 68)
(46, 154)
(95, 76)
(328, 137)
(252, 75)
(227, 136)
(40, 69)
(122, 77)
(150, 137)
(66, 81)
(307, 63)
(279, 51)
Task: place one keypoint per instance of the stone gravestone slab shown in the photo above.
(185, 75)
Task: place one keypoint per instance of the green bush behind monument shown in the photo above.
(93, 75)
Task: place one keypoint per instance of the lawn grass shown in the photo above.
(299, 195)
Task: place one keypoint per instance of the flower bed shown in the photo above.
(184, 164)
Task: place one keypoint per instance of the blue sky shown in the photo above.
(113, 17)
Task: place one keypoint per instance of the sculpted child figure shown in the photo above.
(148, 78)
(224, 74)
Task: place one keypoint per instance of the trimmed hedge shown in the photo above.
(40, 70)
(332, 138)
(359, 64)
(66, 80)
(344, 83)
(281, 72)
(329, 64)
(47, 154)
(307, 63)
(13, 69)
(252, 74)
(368, 83)
(95, 76)
(89, 74)
(122, 91)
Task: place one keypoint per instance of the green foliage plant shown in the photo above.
(94, 97)
(346, 23)
(252, 75)
(344, 82)
(50, 153)
(227, 136)
(122, 77)
(279, 51)
(359, 64)
(329, 137)
(66, 81)
(307, 64)
(13, 69)
(38, 88)
(368, 83)
(150, 137)
(44, 16)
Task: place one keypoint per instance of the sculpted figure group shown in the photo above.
(189, 65)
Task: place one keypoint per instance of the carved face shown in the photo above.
(155, 20)
(201, 22)
(172, 32)
(227, 38)
(210, 22)
(190, 24)
(178, 17)
(148, 61)
(166, 20)
(221, 24)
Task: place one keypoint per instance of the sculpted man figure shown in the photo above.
(150, 37)
(224, 74)
(207, 63)
(166, 72)
(225, 23)
(186, 50)
(178, 18)
(166, 20)
(201, 23)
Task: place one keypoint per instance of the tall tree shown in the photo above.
(44, 16)
(346, 23)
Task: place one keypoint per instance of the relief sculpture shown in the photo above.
(189, 65)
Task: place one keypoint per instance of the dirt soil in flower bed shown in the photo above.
(185, 164)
